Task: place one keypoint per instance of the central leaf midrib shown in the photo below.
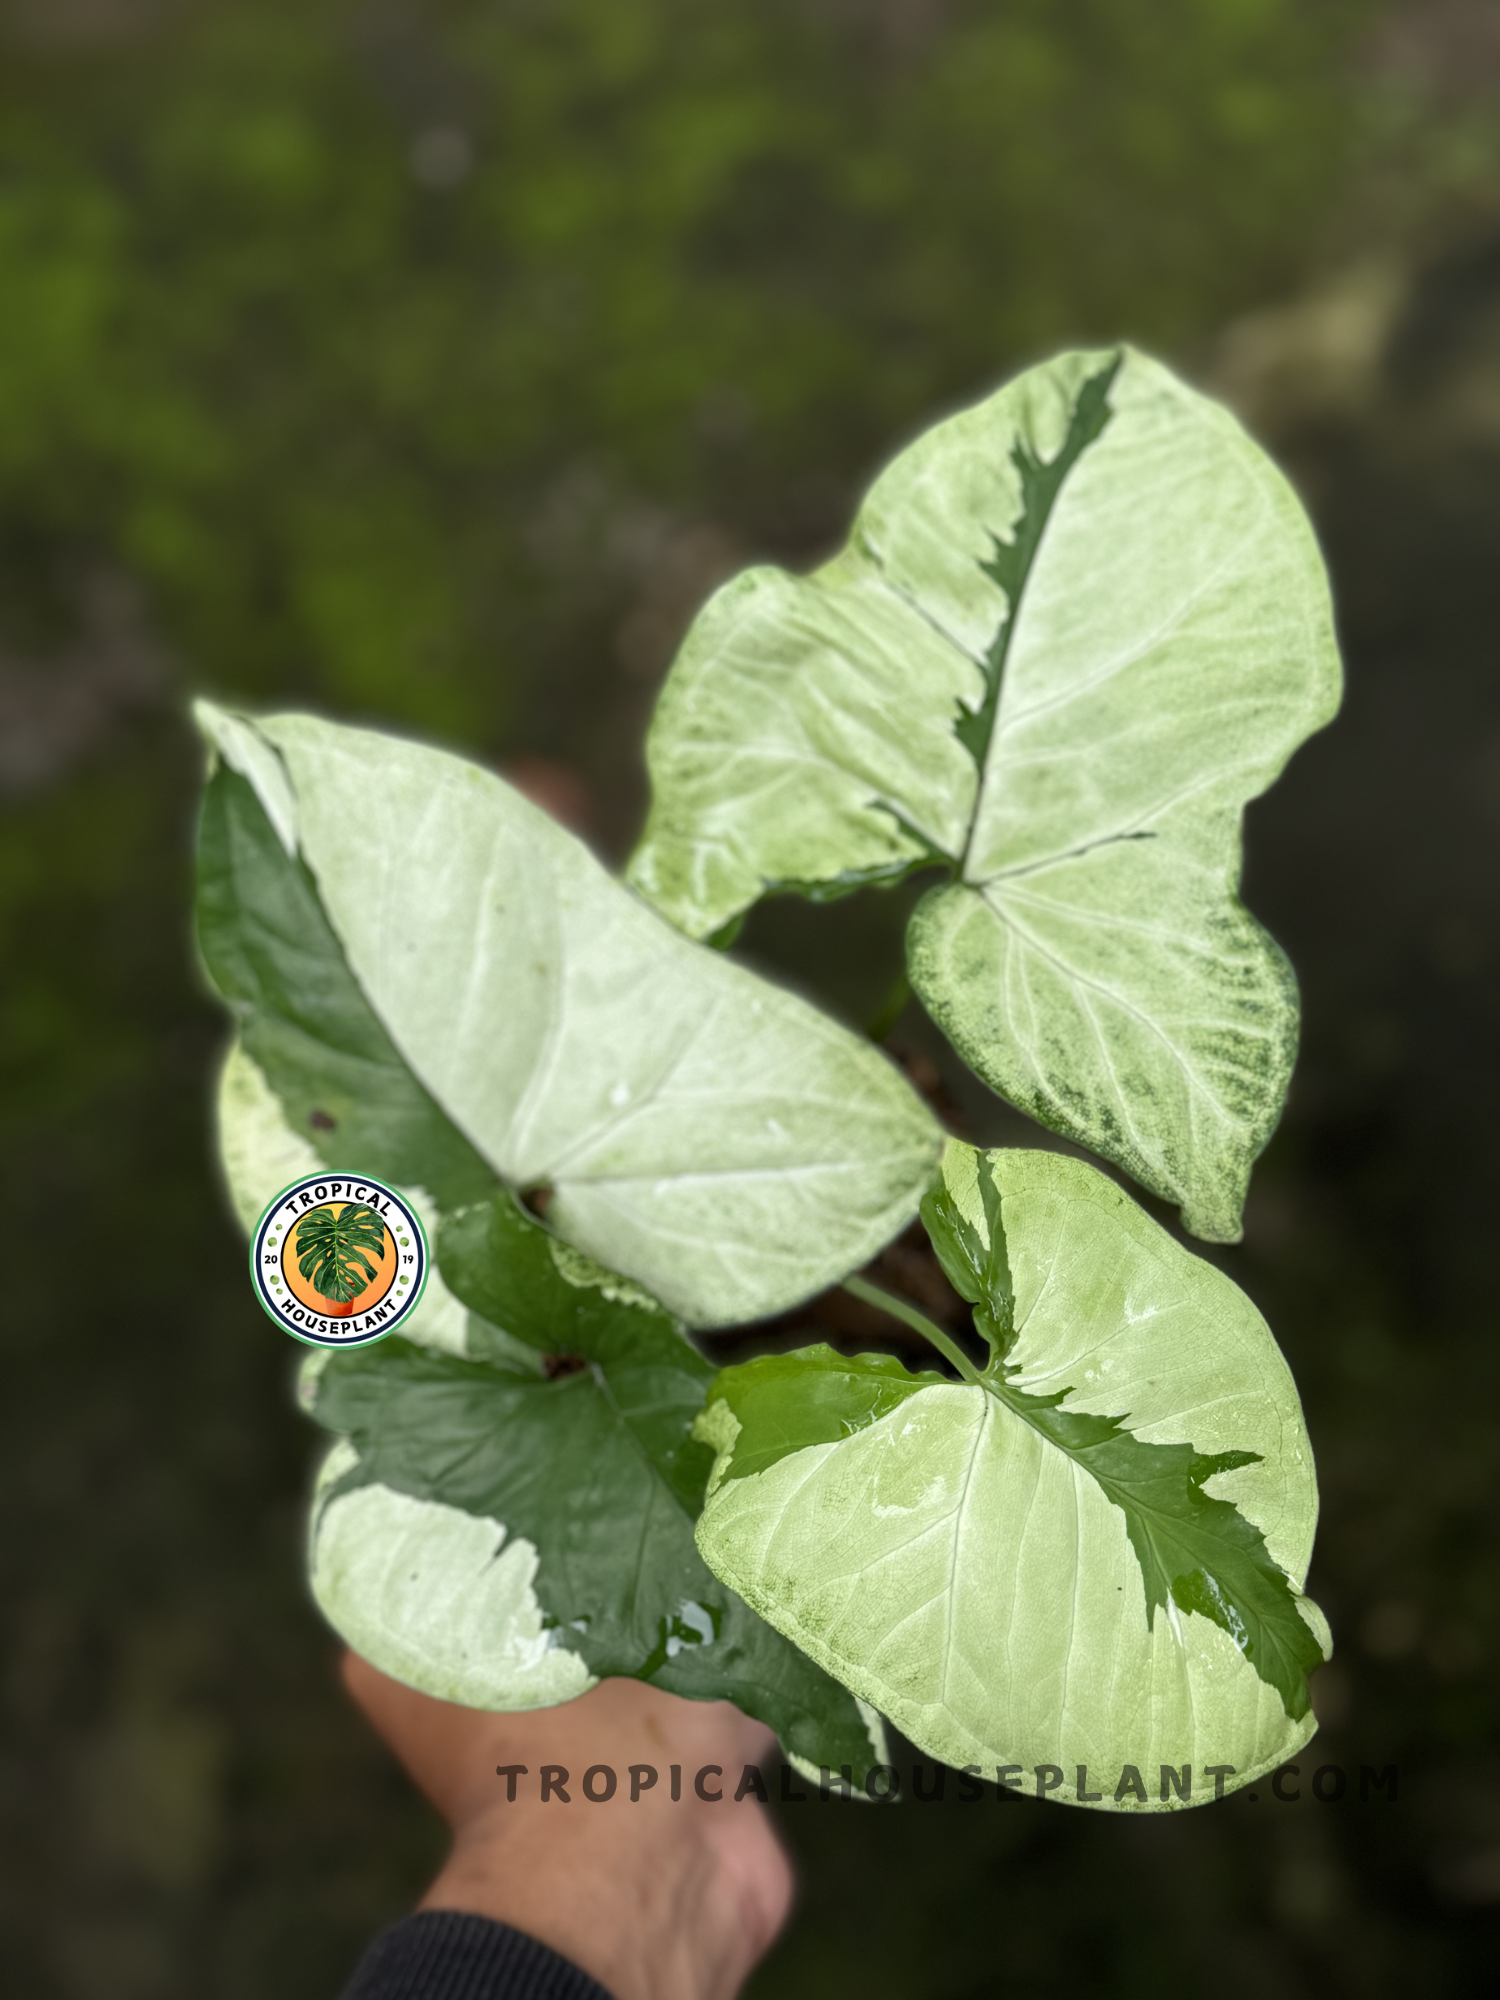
(1161, 1526)
(975, 727)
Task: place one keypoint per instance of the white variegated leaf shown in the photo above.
(435, 1597)
(1075, 630)
(699, 1130)
(1090, 1558)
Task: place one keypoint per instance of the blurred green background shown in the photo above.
(430, 364)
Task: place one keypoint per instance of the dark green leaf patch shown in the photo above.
(1010, 564)
(505, 1267)
(815, 1395)
(273, 955)
(976, 1264)
(1198, 1552)
(598, 1470)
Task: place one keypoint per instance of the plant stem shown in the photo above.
(898, 1308)
(890, 1010)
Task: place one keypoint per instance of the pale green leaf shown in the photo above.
(435, 1596)
(1091, 1557)
(1075, 630)
(442, 977)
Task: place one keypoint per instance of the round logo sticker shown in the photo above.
(338, 1262)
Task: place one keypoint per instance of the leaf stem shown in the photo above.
(898, 1308)
(891, 1008)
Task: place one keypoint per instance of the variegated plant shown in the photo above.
(1074, 631)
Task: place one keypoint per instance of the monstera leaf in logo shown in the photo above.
(331, 1246)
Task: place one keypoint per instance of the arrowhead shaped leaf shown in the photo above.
(1075, 630)
(443, 987)
(1093, 1556)
(505, 1540)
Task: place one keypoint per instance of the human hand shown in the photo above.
(657, 1899)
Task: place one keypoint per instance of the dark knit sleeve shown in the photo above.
(450, 1955)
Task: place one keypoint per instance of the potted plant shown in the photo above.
(1074, 630)
(333, 1250)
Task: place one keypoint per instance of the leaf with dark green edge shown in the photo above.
(974, 1258)
(1093, 1554)
(504, 1542)
(303, 1020)
(1193, 1549)
(710, 1134)
(1075, 629)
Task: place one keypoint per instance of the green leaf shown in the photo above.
(1093, 1557)
(455, 982)
(587, 1485)
(1075, 630)
(974, 1254)
(329, 1244)
(517, 1276)
(814, 1395)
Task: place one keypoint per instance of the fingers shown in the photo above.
(451, 1752)
(657, 1880)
